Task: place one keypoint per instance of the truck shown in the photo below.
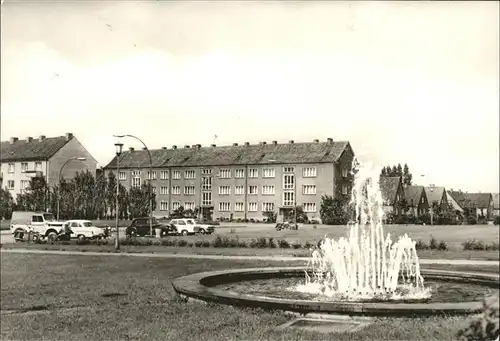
(41, 223)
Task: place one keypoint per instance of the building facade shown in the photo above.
(23, 159)
(240, 181)
(393, 194)
(416, 199)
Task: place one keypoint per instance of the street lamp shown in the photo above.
(150, 179)
(74, 158)
(119, 147)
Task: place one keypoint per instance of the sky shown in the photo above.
(404, 82)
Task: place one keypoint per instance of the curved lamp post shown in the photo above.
(150, 176)
(75, 158)
(119, 147)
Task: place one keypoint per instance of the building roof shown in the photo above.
(314, 152)
(496, 201)
(36, 149)
(434, 194)
(413, 194)
(472, 200)
(389, 188)
(453, 202)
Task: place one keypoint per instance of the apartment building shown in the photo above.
(42, 156)
(241, 181)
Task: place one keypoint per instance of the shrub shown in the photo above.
(167, 242)
(283, 244)
(205, 243)
(485, 327)
(433, 244)
(261, 242)
(492, 247)
(401, 220)
(296, 245)
(442, 246)
(473, 244)
(271, 243)
(471, 220)
(421, 245)
(242, 244)
(217, 242)
(198, 243)
(182, 242)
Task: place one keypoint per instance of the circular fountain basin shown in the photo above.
(213, 287)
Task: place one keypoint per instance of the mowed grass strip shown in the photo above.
(117, 298)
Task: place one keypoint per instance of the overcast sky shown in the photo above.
(403, 82)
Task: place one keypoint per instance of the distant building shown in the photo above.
(454, 204)
(241, 181)
(42, 156)
(416, 200)
(393, 193)
(478, 204)
(437, 195)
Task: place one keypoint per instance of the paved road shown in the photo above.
(221, 257)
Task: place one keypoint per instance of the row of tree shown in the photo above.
(83, 197)
(397, 170)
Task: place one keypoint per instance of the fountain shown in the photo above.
(364, 273)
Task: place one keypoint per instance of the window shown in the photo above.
(206, 199)
(252, 190)
(309, 207)
(225, 173)
(288, 170)
(309, 172)
(176, 205)
(136, 178)
(188, 190)
(253, 173)
(268, 189)
(288, 181)
(122, 176)
(423, 200)
(239, 190)
(239, 173)
(163, 175)
(345, 189)
(24, 167)
(288, 199)
(206, 183)
(163, 190)
(309, 189)
(224, 190)
(176, 190)
(12, 168)
(267, 207)
(345, 172)
(189, 174)
(239, 207)
(189, 205)
(24, 184)
(176, 174)
(10, 184)
(38, 166)
(252, 207)
(206, 171)
(151, 175)
(224, 206)
(268, 173)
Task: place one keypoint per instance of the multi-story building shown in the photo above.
(42, 156)
(241, 181)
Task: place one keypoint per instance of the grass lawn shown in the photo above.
(114, 298)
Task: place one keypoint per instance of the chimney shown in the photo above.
(187, 146)
(131, 149)
(213, 145)
(29, 139)
(247, 143)
(174, 147)
(13, 140)
(291, 141)
(235, 144)
(316, 141)
(41, 138)
(275, 142)
(198, 146)
(69, 136)
(329, 140)
(163, 148)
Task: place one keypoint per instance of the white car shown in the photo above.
(83, 229)
(190, 226)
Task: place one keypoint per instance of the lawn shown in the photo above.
(117, 298)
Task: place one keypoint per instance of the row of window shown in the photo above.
(238, 206)
(24, 184)
(308, 172)
(238, 190)
(24, 167)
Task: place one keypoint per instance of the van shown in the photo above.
(37, 222)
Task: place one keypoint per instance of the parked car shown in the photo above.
(41, 223)
(81, 229)
(141, 227)
(187, 226)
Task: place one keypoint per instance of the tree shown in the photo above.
(407, 177)
(333, 211)
(6, 204)
(35, 197)
(111, 193)
(399, 170)
(139, 199)
(298, 214)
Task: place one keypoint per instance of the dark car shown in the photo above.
(141, 227)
